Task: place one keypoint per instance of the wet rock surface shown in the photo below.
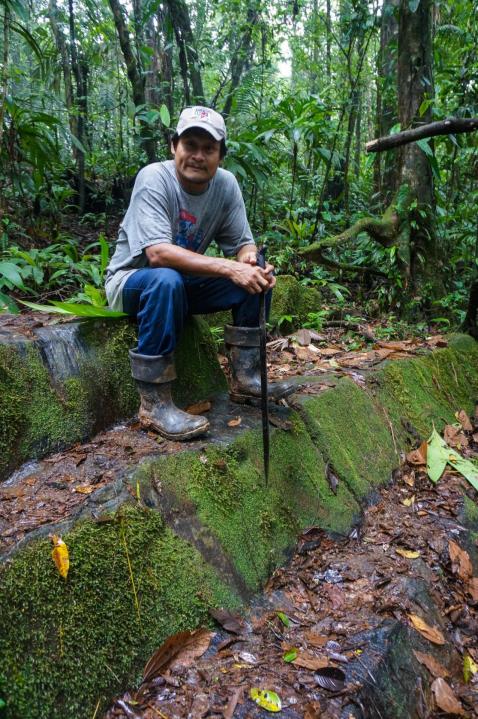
(348, 605)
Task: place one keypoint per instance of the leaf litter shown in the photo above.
(311, 632)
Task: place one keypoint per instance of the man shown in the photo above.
(159, 273)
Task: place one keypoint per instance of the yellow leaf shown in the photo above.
(408, 501)
(469, 668)
(408, 553)
(266, 699)
(60, 555)
(431, 633)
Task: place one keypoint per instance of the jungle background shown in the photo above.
(90, 91)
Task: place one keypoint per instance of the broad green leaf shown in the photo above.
(79, 145)
(165, 116)
(465, 467)
(70, 308)
(10, 272)
(7, 304)
(469, 668)
(437, 456)
(290, 655)
(283, 617)
(424, 106)
(423, 145)
(266, 699)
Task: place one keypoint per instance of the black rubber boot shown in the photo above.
(154, 375)
(243, 353)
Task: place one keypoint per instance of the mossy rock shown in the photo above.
(289, 299)
(67, 646)
(252, 523)
(40, 414)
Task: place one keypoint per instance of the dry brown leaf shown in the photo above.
(405, 346)
(472, 588)
(306, 660)
(418, 456)
(433, 666)
(464, 420)
(173, 647)
(433, 634)
(316, 640)
(461, 563)
(408, 479)
(313, 711)
(329, 351)
(193, 651)
(454, 436)
(229, 621)
(199, 407)
(445, 698)
(234, 422)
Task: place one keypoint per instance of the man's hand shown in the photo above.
(257, 280)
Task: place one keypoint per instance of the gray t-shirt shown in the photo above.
(162, 211)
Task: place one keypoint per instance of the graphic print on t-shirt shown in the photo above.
(187, 236)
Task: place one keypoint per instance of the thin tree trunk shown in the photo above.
(4, 76)
(188, 56)
(328, 48)
(134, 75)
(241, 56)
(80, 107)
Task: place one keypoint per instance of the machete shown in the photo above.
(261, 261)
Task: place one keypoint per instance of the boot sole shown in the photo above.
(148, 424)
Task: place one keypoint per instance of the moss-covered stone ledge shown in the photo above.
(41, 412)
(201, 528)
(291, 304)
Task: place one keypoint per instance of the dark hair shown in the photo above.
(222, 148)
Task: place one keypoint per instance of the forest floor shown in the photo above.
(314, 636)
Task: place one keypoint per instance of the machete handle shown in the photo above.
(261, 258)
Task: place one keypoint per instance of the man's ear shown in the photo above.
(173, 151)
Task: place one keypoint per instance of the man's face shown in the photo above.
(197, 156)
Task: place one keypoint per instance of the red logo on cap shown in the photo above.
(202, 114)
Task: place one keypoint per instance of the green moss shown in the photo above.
(255, 525)
(38, 416)
(337, 420)
(292, 298)
(198, 369)
(83, 639)
(428, 391)
(461, 342)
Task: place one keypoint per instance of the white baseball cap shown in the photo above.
(205, 119)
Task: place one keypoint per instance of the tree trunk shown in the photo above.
(188, 56)
(80, 109)
(387, 169)
(135, 76)
(241, 56)
(4, 74)
(415, 84)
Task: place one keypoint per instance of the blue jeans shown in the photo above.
(161, 299)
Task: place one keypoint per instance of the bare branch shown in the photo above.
(443, 127)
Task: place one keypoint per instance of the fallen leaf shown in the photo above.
(418, 456)
(408, 553)
(60, 555)
(186, 644)
(409, 501)
(316, 640)
(266, 699)
(284, 619)
(461, 563)
(199, 407)
(464, 420)
(436, 458)
(433, 666)
(433, 634)
(330, 678)
(290, 655)
(445, 698)
(470, 668)
(454, 437)
(230, 622)
(306, 660)
(232, 703)
(234, 422)
(409, 479)
(473, 588)
(84, 489)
